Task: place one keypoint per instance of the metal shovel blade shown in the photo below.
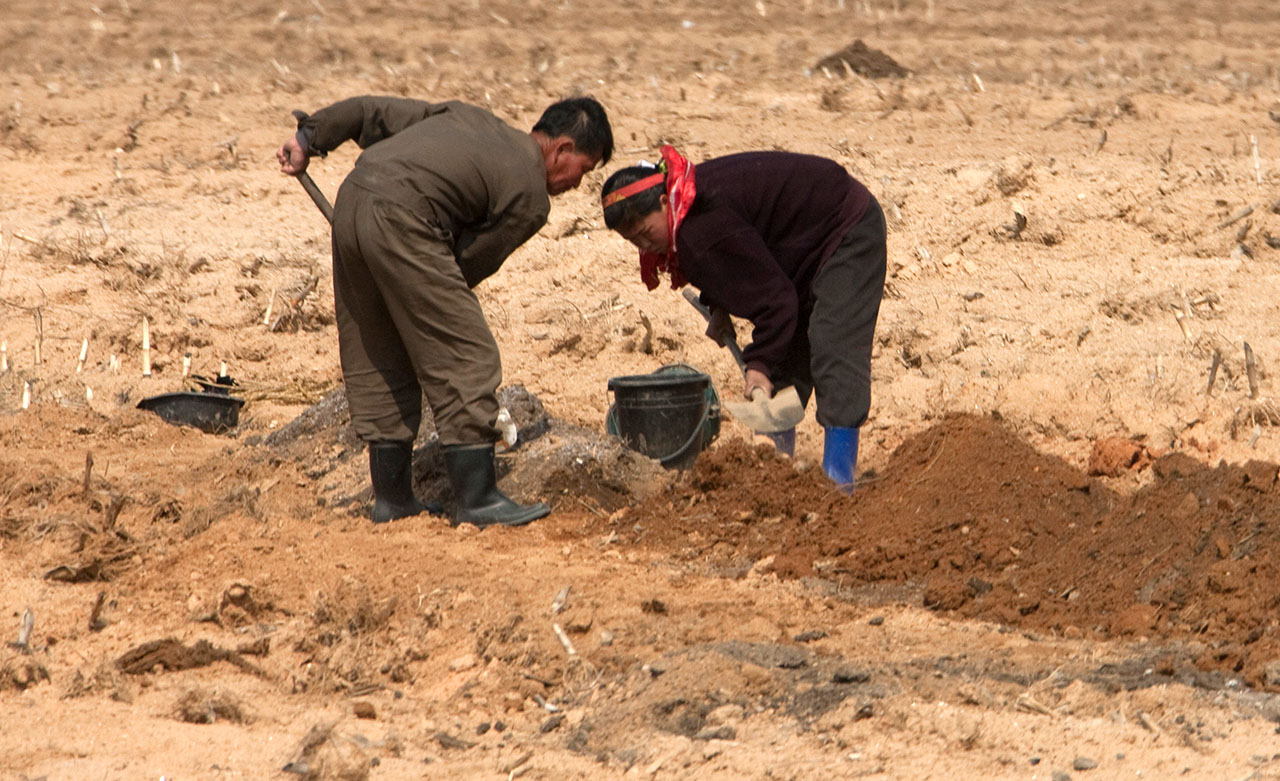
(766, 415)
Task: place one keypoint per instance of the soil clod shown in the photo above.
(171, 655)
(862, 60)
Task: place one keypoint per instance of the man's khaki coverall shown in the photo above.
(441, 195)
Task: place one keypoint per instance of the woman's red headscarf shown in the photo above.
(680, 195)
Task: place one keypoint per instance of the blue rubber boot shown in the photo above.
(840, 456)
(784, 441)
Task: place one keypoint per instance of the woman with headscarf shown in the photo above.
(790, 242)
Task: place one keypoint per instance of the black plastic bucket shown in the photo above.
(664, 414)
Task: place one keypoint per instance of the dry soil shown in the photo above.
(1062, 557)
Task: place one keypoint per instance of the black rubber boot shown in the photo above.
(475, 488)
(391, 472)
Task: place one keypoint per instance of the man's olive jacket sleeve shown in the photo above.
(366, 120)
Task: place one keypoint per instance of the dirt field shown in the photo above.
(1064, 555)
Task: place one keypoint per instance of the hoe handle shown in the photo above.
(317, 197)
(729, 340)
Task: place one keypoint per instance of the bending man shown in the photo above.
(441, 195)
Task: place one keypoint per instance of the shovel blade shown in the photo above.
(768, 416)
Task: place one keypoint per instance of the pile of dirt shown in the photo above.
(987, 527)
(862, 60)
(552, 459)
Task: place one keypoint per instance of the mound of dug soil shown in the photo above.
(990, 528)
(862, 60)
(552, 460)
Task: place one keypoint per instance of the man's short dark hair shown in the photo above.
(584, 121)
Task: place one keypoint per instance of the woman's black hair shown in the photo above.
(625, 213)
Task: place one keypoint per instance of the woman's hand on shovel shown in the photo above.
(757, 379)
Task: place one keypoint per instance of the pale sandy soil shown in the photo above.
(137, 180)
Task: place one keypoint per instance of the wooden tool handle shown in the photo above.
(317, 197)
(729, 339)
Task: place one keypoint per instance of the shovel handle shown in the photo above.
(730, 341)
(317, 197)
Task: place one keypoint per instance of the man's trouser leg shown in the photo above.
(413, 322)
(382, 392)
(452, 352)
(382, 389)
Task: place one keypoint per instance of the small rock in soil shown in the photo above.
(876, 620)
(810, 636)
(364, 710)
(729, 713)
(551, 723)
(1271, 673)
(724, 732)
(1061, 775)
(654, 668)
(482, 727)
(259, 647)
(198, 707)
(850, 675)
(1259, 475)
(978, 586)
(449, 741)
(1083, 763)
(1113, 456)
(464, 662)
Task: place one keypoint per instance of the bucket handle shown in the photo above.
(696, 435)
(677, 365)
(697, 430)
(702, 419)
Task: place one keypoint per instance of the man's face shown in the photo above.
(567, 166)
(649, 233)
